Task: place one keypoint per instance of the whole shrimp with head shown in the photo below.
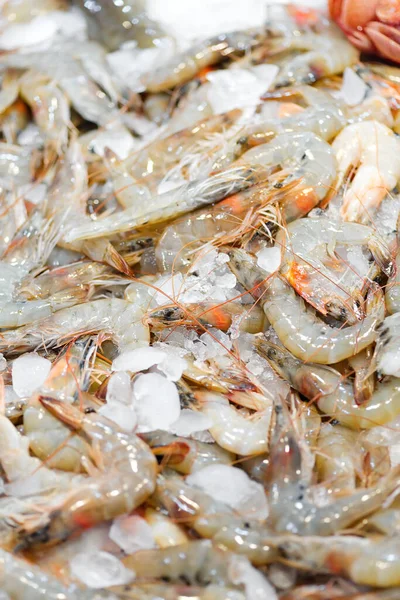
(126, 476)
(299, 328)
(374, 151)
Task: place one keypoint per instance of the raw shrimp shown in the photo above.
(9, 89)
(15, 314)
(183, 67)
(375, 150)
(216, 521)
(23, 580)
(116, 23)
(114, 317)
(50, 109)
(324, 55)
(49, 439)
(298, 328)
(77, 274)
(330, 391)
(240, 434)
(322, 263)
(196, 562)
(296, 154)
(372, 562)
(126, 477)
(227, 220)
(25, 474)
(186, 455)
(251, 319)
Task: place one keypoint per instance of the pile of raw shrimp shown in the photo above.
(199, 308)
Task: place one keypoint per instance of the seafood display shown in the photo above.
(199, 304)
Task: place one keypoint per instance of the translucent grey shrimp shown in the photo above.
(22, 312)
(117, 318)
(24, 580)
(216, 521)
(185, 455)
(197, 562)
(372, 562)
(127, 476)
(183, 67)
(327, 54)
(113, 24)
(332, 393)
(299, 329)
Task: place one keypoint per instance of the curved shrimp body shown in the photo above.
(225, 220)
(375, 151)
(126, 477)
(333, 395)
(116, 318)
(49, 438)
(323, 55)
(304, 159)
(322, 263)
(186, 65)
(186, 455)
(299, 329)
(216, 521)
(233, 431)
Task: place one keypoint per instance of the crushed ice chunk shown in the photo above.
(115, 137)
(132, 533)
(156, 402)
(189, 422)
(269, 259)
(139, 359)
(233, 487)
(100, 570)
(169, 286)
(172, 366)
(121, 414)
(129, 63)
(256, 585)
(354, 89)
(238, 88)
(29, 372)
(119, 388)
(3, 363)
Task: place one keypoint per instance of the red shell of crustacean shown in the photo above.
(371, 25)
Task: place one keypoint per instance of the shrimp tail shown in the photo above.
(66, 413)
